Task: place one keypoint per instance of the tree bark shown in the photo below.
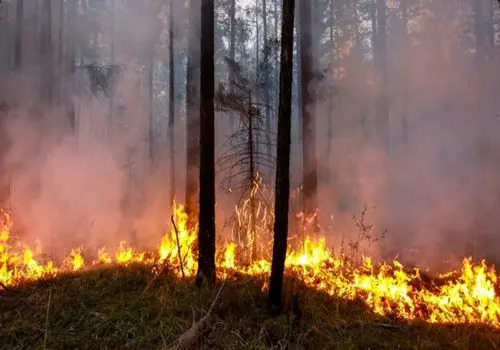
(112, 90)
(171, 103)
(282, 191)
(404, 121)
(310, 166)
(18, 50)
(206, 234)
(192, 113)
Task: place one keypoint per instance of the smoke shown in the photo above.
(438, 193)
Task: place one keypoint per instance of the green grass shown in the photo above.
(106, 309)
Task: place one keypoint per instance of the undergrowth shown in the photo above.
(112, 309)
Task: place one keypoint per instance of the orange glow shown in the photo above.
(468, 295)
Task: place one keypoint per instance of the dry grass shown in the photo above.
(107, 309)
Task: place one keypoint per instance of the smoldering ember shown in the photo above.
(249, 174)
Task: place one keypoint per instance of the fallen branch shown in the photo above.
(188, 339)
(178, 246)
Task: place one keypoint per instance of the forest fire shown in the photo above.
(468, 295)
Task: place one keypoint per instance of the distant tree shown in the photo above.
(171, 102)
(19, 35)
(46, 53)
(206, 233)
(283, 158)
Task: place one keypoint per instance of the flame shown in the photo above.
(467, 295)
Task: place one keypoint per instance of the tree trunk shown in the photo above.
(283, 158)
(266, 76)
(46, 88)
(380, 57)
(70, 44)
(404, 121)
(206, 234)
(151, 140)
(310, 167)
(171, 103)
(192, 114)
(112, 90)
(232, 40)
(18, 50)
(60, 52)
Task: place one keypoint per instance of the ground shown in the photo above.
(125, 308)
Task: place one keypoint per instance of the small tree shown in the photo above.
(246, 158)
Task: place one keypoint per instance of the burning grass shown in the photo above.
(110, 308)
(467, 296)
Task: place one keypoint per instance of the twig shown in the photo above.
(46, 336)
(189, 337)
(178, 246)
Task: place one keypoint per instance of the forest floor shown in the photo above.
(124, 308)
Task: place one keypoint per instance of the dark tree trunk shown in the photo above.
(206, 234)
(18, 50)
(192, 114)
(310, 167)
(46, 53)
(171, 103)
(283, 158)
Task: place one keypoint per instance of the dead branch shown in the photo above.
(178, 246)
(188, 339)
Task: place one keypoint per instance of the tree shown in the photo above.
(46, 53)
(192, 116)
(380, 60)
(310, 166)
(19, 35)
(282, 192)
(206, 233)
(171, 103)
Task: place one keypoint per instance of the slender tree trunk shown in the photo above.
(232, 40)
(171, 103)
(382, 105)
(276, 63)
(18, 50)
(251, 181)
(46, 88)
(60, 53)
(404, 12)
(206, 234)
(310, 167)
(267, 86)
(151, 138)
(70, 44)
(192, 114)
(257, 38)
(283, 158)
(112, 58)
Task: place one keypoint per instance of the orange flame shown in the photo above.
(468, 295)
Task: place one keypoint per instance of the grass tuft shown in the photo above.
(110, 309)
